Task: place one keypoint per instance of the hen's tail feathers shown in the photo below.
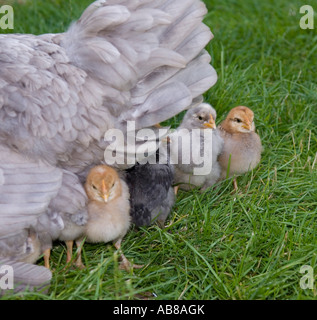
(20, 276)
(148, 54)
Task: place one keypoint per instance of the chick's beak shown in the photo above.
(247, 125)
(210, 124)
(105, 197)
(104, 194)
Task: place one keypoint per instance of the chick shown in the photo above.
(108, 209)
(27, 247)
(65, 219)
(49, 226)
(191, 139)
(60, 226)
(151, 192)
(242, 146)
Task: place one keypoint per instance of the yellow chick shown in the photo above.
(108, 209)
(242, 146)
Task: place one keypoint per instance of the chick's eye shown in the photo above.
(94, 187)
(200, 118)
(237, 120)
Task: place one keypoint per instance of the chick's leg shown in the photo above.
(125, 263)
(235, 184)
(161, 223)
(69, 251)
(78, 263)
(47, 254)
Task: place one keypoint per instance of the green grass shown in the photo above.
(219, 244)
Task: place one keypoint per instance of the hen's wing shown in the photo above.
(25, 277)
(26, 189)
(144, 51)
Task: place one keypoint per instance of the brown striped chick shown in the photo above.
(108, 209)
(242, 146)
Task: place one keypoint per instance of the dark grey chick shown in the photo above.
(151, 192)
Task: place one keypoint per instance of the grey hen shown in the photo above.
(123, 60)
